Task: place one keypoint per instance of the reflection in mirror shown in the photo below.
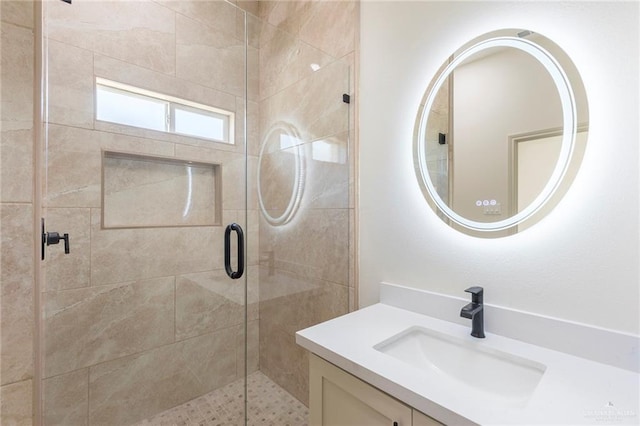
(281, 173)
(496, 134)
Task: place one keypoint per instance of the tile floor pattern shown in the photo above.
(269, 405)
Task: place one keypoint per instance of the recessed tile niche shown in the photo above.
(147, 191)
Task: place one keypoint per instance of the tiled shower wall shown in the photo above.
(16, 209)
(138, 320)
(307, 61)
(127, 308)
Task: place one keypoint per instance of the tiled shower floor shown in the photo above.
(269, 405)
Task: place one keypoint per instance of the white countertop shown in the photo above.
(572, 390)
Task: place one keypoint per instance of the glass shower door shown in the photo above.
(303, 178)
(144, 166)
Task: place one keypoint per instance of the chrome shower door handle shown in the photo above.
(227, 251)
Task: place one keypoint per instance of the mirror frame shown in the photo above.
(560, 178)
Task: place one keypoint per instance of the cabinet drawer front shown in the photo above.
(340, 399)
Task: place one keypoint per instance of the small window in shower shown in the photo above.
(131, 106)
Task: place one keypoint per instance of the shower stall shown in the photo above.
(197, 156)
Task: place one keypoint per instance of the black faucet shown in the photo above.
(475, 312)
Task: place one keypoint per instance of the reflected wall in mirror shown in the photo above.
(281, 173)
(500, 133)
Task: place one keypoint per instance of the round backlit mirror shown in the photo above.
(500, 133)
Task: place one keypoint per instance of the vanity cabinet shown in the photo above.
(339, 399)
(420, 419)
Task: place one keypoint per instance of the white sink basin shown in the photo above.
(495, 374)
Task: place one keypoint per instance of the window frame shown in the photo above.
(171, 102)
(205, 112)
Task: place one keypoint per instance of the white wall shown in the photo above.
(500, 95)
(580, 263)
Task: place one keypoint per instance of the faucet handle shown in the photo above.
(476, 294)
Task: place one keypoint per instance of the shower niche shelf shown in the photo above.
(146, 191)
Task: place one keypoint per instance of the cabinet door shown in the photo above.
(420, 419)
(339, 399)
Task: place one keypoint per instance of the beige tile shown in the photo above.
(289, 303)
(350, 61)
(16, 77)
(16, 166)
(254, 28)
(285, 15)
(328, 115)
(253, 73)
(209, 57)
(320, 252)
(74, 159)
(196, 248)
(241, 17)
(353, 258)
(70, 95)
(142, 26)
(136, 387)
(18, 12)
(282, 360)
(211, 153)
(327, 170)
(252, 182)
(217, 14)
(66, 399)
(252, 349)
(311, 59)
(245, 144)
(134, 187)
(134, 75)
(16, 404)
(313, 106)
(278, 63)
(208, 301)
(165, 137)
(331, 26)
(253, 241)
(251, 6)
(234, 192)
(353, 303)
(353, 175)
(253, 132)
(83, 327)
(282, 176)
(115, 70)
(77, 186)
(66, 271)
(119, 255)
(285, 60)
(292, 302)
(16, 275)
